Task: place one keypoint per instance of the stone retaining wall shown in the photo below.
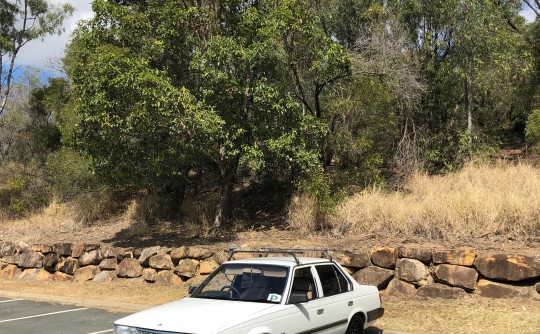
(402, 270)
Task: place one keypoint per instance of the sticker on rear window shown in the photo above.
(274, 297)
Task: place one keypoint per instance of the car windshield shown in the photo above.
(245, 282)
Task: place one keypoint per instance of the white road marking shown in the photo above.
(107, 331)
(9, 301)
(43, 315)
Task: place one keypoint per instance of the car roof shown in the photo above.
(288, 261)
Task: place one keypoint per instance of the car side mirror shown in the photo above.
(192, 289)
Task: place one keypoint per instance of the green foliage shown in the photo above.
(22, 190)
(70, 174)
(532, 129)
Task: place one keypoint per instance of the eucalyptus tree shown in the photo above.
(22, 21)
(470, 53)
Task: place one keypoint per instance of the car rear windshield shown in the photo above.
(245, 282)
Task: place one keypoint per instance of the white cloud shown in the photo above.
(528, 14)
(37, 53)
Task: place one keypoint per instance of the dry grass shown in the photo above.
(480, 200)
(302, 215)
(59, 223)
(476, 315)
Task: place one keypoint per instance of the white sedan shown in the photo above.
(278, 295)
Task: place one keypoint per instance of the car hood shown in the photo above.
(195, 315)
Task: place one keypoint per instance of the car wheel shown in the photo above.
(356, 325)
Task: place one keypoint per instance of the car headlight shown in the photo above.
(124, 330)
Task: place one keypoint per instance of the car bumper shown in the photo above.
(375, 314)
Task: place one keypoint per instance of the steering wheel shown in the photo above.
(231, 290)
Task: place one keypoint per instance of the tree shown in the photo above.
(163, 86)
(470, 54)
(22, 21)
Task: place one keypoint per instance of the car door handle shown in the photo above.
(320, 311)
(350, 303)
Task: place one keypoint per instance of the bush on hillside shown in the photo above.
(532, 128)
(23, 190)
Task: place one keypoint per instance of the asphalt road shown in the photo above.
(18, 316)
(29, 317)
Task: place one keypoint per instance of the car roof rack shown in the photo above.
(285, 251)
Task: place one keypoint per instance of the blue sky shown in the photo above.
(39, 53)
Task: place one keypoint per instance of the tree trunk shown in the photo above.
(469, 105)
(228, 175)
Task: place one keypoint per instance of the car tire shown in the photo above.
(356, 325)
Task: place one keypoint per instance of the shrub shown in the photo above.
(23, 190)
(532, 128)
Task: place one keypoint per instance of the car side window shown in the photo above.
(303, 287)
(332, 280)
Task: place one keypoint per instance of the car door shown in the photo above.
(336, 301)
(303, 304)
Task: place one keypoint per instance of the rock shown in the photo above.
(29, 274)
(438, 290)
(463, 257)
(50, 261)
(129, 268)
(43, 275)
(44, 249)
(69, 266)
(78, 250)
(61, 277)
(537, 287)
(22, 247)
(161, 261)
(137, 253)
(90, 258)
(8, 272)
(149, 274)
(146, 254)
(458, 276)
(187, 268)
(64, 249)
(384, 257)
(416, 253)
(490, 289)
(108, 264)
(374, 276)
(360, 259)
(412, 271)
(167, 277)
(508, 267)
(8, 249)
(221, 257)
(86, 273)
(179, 253)
(91, 247)
(207, 266)
(104, 276)
(125, 253)
(397, 287)
(12, 259)
(31, 259)
(199, 253)
(108, 252)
